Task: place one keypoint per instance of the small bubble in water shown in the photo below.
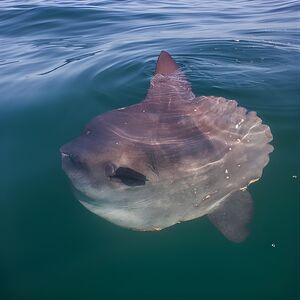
(273, 245)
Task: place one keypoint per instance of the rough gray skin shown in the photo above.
(171, 158)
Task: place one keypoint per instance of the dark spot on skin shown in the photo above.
(153, 163)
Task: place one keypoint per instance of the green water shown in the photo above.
(64, 62)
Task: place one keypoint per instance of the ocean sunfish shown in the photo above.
(173, 157)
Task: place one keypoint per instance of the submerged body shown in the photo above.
(171, 158)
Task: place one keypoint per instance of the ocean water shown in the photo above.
(64, 62)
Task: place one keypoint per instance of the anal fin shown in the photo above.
(233, 215)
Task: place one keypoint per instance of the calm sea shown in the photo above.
(64, 62)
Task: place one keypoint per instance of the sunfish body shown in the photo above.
(173, 157)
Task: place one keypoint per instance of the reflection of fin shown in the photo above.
(233, 215)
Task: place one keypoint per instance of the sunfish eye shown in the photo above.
(109, 169)
(129, 176)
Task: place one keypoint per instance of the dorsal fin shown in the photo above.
(168, 83)
(165, 64)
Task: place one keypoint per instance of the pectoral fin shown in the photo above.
(233, 215)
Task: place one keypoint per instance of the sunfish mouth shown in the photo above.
(71, 161)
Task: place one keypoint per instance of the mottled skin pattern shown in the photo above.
(195, 153)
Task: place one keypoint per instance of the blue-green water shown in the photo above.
(64, 62)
